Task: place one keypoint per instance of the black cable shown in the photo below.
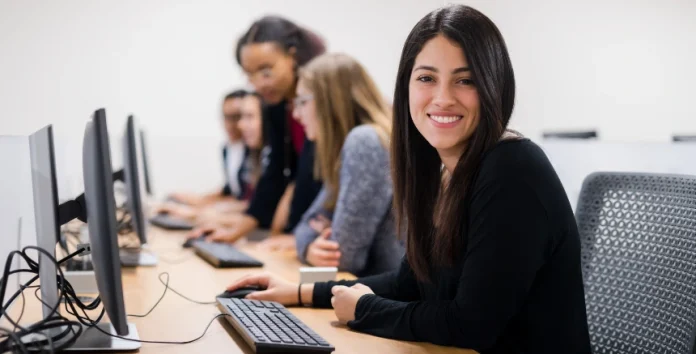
(73, 305)
(180, 294)
(21, 312)
(167, 287)
(34, 267)
(166, 342)
(95, 326)
(13, 341)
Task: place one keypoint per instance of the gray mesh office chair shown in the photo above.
(638, 235)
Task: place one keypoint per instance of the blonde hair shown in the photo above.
(345, 96)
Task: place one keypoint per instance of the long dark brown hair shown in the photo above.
(418, 190)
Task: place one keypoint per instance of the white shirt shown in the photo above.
(235, 157)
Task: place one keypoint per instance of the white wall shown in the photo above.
(575, 160)
(622, 66)
(169, 62)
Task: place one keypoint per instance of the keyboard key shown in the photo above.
(256, 332)
(297, 339)
(307, 338)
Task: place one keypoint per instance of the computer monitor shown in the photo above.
(101, 218)
(684, 138)
(133, 178)
(589, 134)
(146, 168)
(134, 198)
(102, 232)
(45, 190)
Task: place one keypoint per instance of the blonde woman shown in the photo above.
(349, 224)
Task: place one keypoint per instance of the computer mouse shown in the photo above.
(240, 293)
(189, 243)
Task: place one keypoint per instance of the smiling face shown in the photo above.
(443, 100)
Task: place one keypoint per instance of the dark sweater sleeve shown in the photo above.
(508, 235)
(272, 184)
(306, 187)
(399, 285)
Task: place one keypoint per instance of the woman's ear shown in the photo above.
(292, 51)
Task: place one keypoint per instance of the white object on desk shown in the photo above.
(317, 274)
(82, 281)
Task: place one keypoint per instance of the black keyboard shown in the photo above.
(223, 255)
(167, 222)
(268, 327)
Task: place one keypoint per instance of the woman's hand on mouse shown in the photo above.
(176, 210)
(215, 233)
(277, 289)
(205, 229)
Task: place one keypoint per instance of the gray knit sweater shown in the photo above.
(362, 221)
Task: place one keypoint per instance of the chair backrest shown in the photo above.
(638, 235)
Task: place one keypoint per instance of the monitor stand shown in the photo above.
(91, 340)
(135, 257)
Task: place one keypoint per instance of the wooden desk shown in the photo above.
(176, 319)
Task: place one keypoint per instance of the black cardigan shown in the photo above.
(282, 167)
(516, 288)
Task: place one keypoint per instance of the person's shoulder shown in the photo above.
(514, 157)
(362, 138)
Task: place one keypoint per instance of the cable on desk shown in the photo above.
(14, 340)
(167, 287)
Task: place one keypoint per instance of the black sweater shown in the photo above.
(516, 288)
(282, 167)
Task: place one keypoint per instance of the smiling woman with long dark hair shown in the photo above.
(493, 252)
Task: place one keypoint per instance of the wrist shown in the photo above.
(305, 293)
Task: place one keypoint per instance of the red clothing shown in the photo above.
(296, 132)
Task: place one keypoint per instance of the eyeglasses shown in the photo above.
(300, 101)
(265, 73)
(233, 117)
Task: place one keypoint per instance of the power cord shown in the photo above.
(167, 342)
(167, 287)
(94, 325)
(15, 340)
